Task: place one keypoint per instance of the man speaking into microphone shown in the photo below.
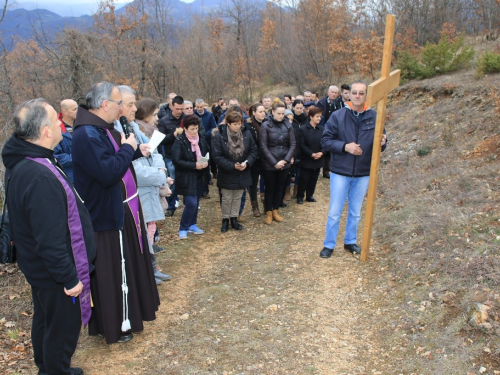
(123, 286)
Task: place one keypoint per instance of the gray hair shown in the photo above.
(124, 89)
(332, 87)
(199, 101)
(187, 102)
(307, 92)
(30, 117)
(98, 93)
(360, 82)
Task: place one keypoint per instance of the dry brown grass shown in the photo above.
(263, 302)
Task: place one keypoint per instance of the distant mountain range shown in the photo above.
(23, 18)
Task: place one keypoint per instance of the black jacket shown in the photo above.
(37, 204)
(164, 111)
(329, 108)
(254, 130)
(167, 125)
(186, 174)
(310, 143)
(229, 177)
(343, 128)
(277, 142)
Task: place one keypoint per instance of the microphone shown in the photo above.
(124, 122)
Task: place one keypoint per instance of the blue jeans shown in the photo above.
(191, 202)
(341, 188)
(171, 173)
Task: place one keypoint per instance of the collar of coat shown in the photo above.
(349, 105)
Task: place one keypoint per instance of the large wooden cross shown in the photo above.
(377, 92)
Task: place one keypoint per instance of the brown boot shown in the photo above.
(288, 196)
(255, 209)
(276, 216)
(269, 217)
(294, 191)
(240, 219)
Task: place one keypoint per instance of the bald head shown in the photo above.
(68, 109)
(36, 121)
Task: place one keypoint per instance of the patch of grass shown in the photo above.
(13, 334)
(424, 151)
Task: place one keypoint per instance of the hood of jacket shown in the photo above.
(85, 117)
(16, 149)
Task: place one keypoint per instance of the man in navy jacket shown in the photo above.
(349, 137)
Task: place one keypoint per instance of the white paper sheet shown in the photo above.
(155, 140)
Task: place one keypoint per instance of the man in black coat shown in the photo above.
(170, 125)
(53, 234)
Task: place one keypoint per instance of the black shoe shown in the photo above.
(169, 213)
(205, 196)
(126, 338)
(353, 248)
(158, 249)
(225, 225)
(326, 176)
(310, 199)
(326, 253)
(283, 205)
(300, 200)
(74, 371)
(235, 224)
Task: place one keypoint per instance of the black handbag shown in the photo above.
(7, 247)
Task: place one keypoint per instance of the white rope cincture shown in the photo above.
(132, 197)
(126, 322)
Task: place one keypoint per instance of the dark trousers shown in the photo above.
(55, 330)
(326, 164)
(191, 203)
(255, 172)
(307, 182)
(275, 180)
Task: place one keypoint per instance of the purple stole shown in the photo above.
(131, 194)
(77, 241)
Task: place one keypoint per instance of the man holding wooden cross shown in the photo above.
(349, 135)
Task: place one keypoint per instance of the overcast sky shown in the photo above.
(41, 2)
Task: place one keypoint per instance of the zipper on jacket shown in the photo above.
(357, 137)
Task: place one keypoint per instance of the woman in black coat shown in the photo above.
(257, 114)
(311, 155)
(187, 150)
(234, 151)
(277, 146)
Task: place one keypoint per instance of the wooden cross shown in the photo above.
(377, 93)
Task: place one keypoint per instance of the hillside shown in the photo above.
(262, 302)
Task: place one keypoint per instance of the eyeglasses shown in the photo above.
(361, 93)
(120, 103)
(188, 108)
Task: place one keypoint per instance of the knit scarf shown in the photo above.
(195, 147)
(235, 143)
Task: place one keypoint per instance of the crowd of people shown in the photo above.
(87, 192)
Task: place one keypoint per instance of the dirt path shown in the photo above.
(259, 301)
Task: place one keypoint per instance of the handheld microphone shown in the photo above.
(124, 123)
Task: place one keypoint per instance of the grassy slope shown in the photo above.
(266, 304)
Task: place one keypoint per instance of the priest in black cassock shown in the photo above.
(123, 288)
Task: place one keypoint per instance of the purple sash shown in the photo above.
(131, 194)
(77, 241)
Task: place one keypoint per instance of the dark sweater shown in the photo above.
(37, 202)
(98, 170)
